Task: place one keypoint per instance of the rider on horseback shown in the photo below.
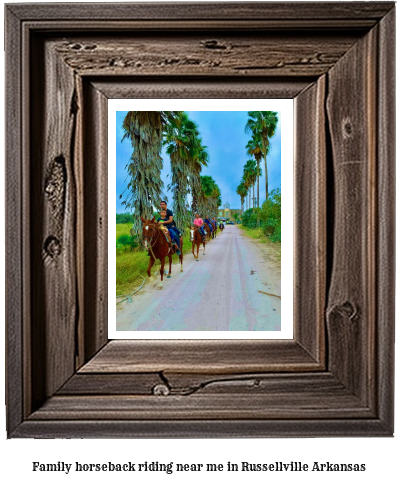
(200, 224)
(167, 220)
(206, 220)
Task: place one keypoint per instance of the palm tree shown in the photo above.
(144, 189)
(245, 181)
(250, 174)
(181, 139)
(200, 160)
(210, 197)
(242, 192)
(264, 125)
(254, 149)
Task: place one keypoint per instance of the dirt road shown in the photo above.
(232, 288)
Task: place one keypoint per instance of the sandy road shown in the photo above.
(228, 289)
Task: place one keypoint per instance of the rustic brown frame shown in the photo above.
(336, 376)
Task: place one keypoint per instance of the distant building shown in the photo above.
(227, 213)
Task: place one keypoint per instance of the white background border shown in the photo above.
(380, 454)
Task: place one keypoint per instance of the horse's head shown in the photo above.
(150, 228)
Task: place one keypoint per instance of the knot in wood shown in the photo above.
(347, 128)
(51, 248)
(161, 390)
(347, 310)
(213, 44)
(50, 188)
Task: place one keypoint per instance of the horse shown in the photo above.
(209, 230)
(221, 226)
(215, 229)
(196, 239)
(158, 246)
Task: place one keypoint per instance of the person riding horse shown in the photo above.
(167, 221)
(200, 224)
(208, 222)
(169, 214)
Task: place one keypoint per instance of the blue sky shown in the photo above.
(223, 133)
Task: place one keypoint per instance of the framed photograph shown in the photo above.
(237, 286)
(65, 377)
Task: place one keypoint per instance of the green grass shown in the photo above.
(131, 267)
(123, 229)
(258, 235)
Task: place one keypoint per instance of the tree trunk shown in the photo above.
(266, 177)
(258, 202)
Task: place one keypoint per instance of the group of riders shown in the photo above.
(168, 225)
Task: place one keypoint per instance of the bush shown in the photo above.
(247, 218)
(124, 218)
(126, 241)
(269, 216)
(272, 229)
(276, 236)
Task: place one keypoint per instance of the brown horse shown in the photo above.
(209, 230)
(215, 229)
(221, 226)
(196, 239)
(159, 248)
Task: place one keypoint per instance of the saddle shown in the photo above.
(172, 245)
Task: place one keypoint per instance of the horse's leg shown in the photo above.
(197, 251)
(193, 249)
(181, 255)
(170, 266)
(204, 248)
(162, 259)
(150, 264)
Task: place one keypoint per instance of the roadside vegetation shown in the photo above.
(264, 224)
(267, 219)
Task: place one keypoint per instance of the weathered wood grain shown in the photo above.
(351, 307)
(310, 201)
(285, 398)
(185, 383)
(112, 384)
(192, 428)
(200, 356)
(95, 200)
(178, 87)
(341, 11)
(243, 55)
(15, 236)
(385, 219)
(53, 218)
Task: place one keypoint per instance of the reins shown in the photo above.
(150, 245)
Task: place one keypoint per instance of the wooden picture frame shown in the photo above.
(335, 378)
